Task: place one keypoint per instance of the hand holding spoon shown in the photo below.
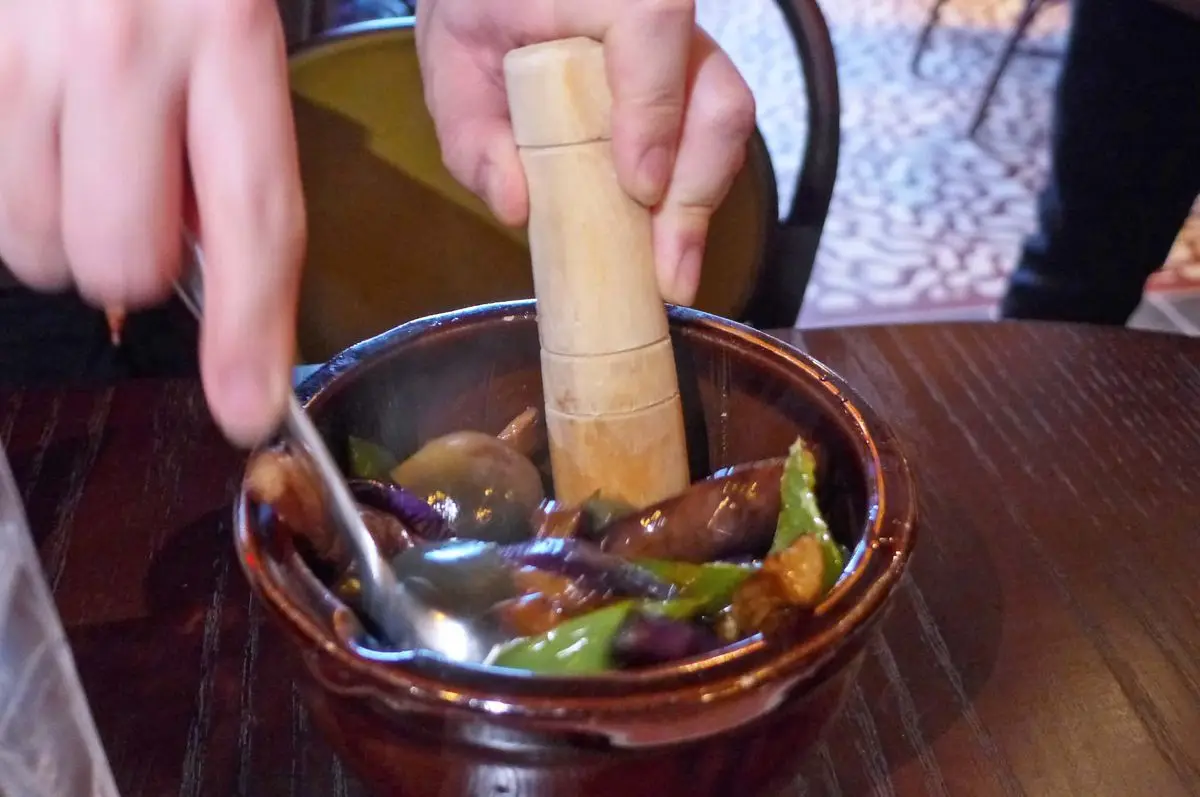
(404, 619)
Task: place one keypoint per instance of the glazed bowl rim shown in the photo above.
(888, 538)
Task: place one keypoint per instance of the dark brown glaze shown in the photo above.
(731, 515)
(1045, 643)
(483, 365)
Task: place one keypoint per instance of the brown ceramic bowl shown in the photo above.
(737, 723)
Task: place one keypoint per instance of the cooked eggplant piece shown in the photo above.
(647, 639)
(793, 578)
(717, 518)
(526, 433)
(552, 520)
(483, 487)
(411, 510)
(590, 567)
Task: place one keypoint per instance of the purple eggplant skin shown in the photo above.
(464, 575)
(645, 640)
(421, 519)
(588, 566)
(724, 517)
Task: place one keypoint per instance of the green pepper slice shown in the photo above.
(583, 645)
(578, 646)
(711, 584)
(370, 460)
(800, 514)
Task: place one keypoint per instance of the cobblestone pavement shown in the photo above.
(925, 223)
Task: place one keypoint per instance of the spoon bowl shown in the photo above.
(404, 619)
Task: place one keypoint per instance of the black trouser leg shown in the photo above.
(1125, 163)
(57, 340)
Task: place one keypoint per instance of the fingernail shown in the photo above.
(686, 279)
(653, 171)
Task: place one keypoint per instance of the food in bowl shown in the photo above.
(428, 726)
(467, 521)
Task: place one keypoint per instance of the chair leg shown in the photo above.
(935, 15)
(309, 21)
(1028, 14)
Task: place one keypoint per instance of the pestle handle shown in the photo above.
(613, 414)
(593, 261)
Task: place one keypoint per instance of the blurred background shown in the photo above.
(930, 123)
(927, 218)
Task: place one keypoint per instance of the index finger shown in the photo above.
(245, 171)
(647, 47)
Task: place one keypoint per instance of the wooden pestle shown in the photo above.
(613, 416)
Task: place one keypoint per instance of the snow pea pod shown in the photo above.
(584, 645)
(369, 460)
(711, 585)
(580, 646)
(800, 515)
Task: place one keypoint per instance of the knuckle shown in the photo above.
(669, 8)
(291, 224)
(662, 109)
(278, 210)
(243, 19)
(654, 114)
(729, 114)
(47, 275)
(33, 217)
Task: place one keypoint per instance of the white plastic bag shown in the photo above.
(48, 743)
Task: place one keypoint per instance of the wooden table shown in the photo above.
(1047, 644)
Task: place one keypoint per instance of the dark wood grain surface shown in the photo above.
(1048, 642)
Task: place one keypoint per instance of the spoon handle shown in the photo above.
(613, 413)
(341, 505)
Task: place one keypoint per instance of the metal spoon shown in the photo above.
(403, 617)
